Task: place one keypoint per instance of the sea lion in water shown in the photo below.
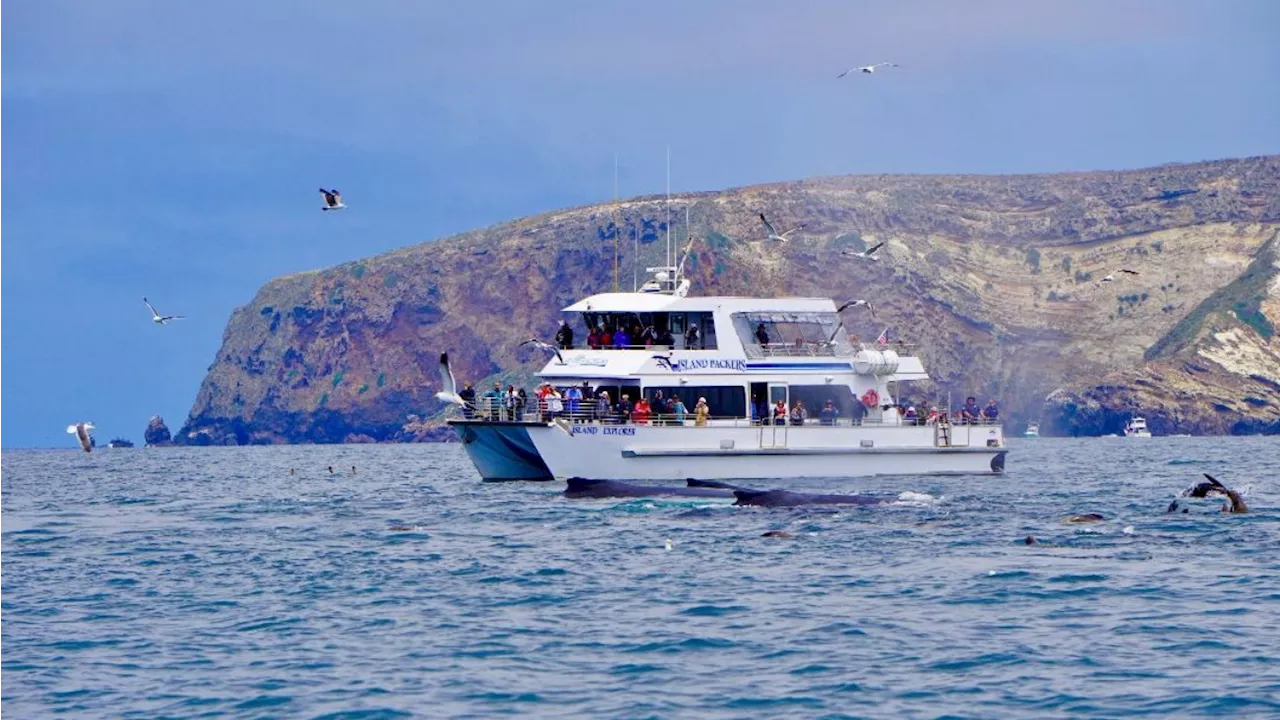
(1084, 518)
(1031, 540)
(1211, 486)
(780, 534)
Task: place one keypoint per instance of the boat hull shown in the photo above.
(502, 450)
(632, 452)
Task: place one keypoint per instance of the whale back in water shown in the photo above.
(786, 498)
(584, 488)
(696, 483)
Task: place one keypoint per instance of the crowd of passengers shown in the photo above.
(606, 336)
(584, 404)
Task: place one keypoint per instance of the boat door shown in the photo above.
(771, 434)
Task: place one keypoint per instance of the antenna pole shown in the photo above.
(668, 206)
(635, 259)
(615, 222)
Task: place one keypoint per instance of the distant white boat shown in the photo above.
(1033, 430)
(1137, 427)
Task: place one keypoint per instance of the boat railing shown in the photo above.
(587, 413)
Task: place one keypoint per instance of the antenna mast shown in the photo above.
(615, 222)
(668, 206)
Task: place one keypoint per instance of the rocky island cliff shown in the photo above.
(994, 278)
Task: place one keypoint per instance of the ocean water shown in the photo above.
(216, 583)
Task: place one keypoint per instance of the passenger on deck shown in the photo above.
(780, 413)
(701, 412)
(624, 409)
(555, 404)
(910, 417)
(621, 339)
(493, 402)
(573, 402)
(829, 413)
(798, 413)
(858, 413)
(762, 335)
(606, 337)
(971, 413)
(991, 412)
(522, 402)
(678, 409)
(648, 336)
(564, 336)
(468, 396)
(691, 337)
(640, 413)
(666, 338)
(509, 401)
(604, 410)
(593, 339)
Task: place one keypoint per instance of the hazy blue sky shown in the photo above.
(173, 149)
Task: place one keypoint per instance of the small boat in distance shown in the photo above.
(120, 443)
(1033, 430)
(1137, 427)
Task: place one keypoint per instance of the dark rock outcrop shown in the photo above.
(994, 279)
(157, 433)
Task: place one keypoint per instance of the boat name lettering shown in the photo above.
(602, 430)
(584, 360)
(689, 364)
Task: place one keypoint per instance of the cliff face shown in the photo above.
(995, 278)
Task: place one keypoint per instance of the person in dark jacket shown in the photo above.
(564, 336)
(468, 396)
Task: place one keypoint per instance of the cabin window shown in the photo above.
(788, 334)
(722, 400)
(655, 331)
(815, 397)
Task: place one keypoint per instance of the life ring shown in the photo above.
(871, 399)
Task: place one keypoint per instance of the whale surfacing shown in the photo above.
(583, 488)
(786, 498)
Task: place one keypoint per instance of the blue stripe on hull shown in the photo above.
(502, 451)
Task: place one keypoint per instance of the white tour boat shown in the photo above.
(1033, 430)
(1137, 427)
(746, 356)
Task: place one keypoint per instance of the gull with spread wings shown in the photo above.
(867, 69)
(773, 233)
(159, 319)
(332, 200)
(545, 346)
(868, 254)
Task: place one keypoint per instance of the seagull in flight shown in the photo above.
(846, 306)
(773, 233)
(857, 303)
(545, 346)
(868, 69)
(81, 431)
(868, 254)
(332, 200)
(159, 319)
(449, 386)
(1111, 277)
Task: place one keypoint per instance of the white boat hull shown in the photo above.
(641, 452)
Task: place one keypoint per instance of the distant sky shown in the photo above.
(174, 149)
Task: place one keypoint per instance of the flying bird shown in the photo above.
(1111, 277)
(773, 233)
(857, 303)
(846, 306)
(82, 433)
(332, 200)
(449, 387)
(868, 69)
(868, 254)
(159, 319)
(545, 346)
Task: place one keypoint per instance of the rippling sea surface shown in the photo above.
(252, 582)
